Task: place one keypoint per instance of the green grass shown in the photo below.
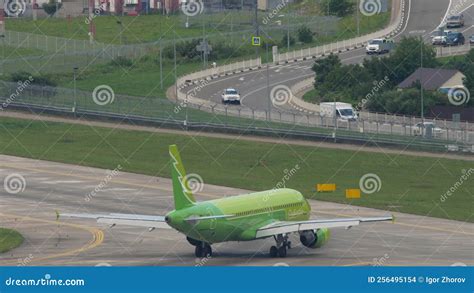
(9, 52)
(409, 184)
(229, 26)
(9, 239)
(310, 96)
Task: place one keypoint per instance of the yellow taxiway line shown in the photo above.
(97, 238)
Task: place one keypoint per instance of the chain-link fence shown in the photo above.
(188, 112)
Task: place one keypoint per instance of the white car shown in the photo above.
(379, 46)
(231, 95)
(440, 37)
(420, 129)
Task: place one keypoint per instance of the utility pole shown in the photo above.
(257, 30)
(35, 11)
(161, 65)
(75, 96)
(91, 20)
(2, 18)
(175, 68)
(119, 22)
(358, 17)
(268, 86)
(421, 80)
(2, 33)
(288, 32)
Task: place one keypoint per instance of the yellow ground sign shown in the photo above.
(352, 193)
(327, 187)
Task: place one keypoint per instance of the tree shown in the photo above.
(284, 41)
(338, 8)
(305, 35)
(405, 102)
(51, 7)
(323, 67)
(407, 58)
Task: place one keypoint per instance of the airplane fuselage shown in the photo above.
(244, 215)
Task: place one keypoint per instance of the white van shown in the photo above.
(343, 111)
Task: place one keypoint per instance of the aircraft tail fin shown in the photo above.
(183, 196)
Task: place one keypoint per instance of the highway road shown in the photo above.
(424, 16)
(54, 187)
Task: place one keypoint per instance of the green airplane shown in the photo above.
(273, 213)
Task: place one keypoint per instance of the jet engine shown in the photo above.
(312, 239)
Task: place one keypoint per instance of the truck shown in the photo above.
(342, 111)
(379, 46)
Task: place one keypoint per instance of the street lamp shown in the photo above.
(287, 30)
(2, 38)
(119, 22)
(420, 33)
(75, 97)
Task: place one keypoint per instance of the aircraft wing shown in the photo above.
(147, 221)
(285, 227)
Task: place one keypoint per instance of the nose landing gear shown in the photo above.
(203, 250)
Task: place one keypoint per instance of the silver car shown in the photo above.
(455, 21)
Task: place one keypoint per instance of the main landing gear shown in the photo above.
(282, 244)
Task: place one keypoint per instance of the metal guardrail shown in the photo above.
(344, 45)
(416, 143)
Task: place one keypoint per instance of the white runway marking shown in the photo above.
(63, 182)
(119, 189)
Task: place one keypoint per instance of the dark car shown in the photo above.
(471, 40)
(455, 39)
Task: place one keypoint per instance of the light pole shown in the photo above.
(420, 34)
(358, 17)
(161, 65)
(268, 85)
(175, 68)
(75, 97)
(421, 81)
(119, 22)
(2, 38)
